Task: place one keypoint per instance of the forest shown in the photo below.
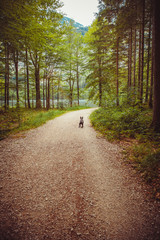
(47, 62)
(50, 62)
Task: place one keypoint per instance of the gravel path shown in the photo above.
(61, 182)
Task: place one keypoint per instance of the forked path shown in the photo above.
(61, 182)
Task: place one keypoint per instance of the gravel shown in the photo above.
(63, 182)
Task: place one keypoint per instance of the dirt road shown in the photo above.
(61, 182)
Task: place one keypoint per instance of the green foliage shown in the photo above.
(132, 122)
(123, 122)
(147, 161)
(14, 121)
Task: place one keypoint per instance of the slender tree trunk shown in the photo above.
(46, 91)
(128, 84)
(58, 93)
(25, 87)
(156, 103)
(100, 89)
(48, 94)
(16, 68)
(130, 56)
(142, 69)
(6, 76)
(117, 71)
(70, 86)
(135, 57)
(152, 76)
(52, 95)
(148, 61)
(139, 67)
(32, 99)
(28, 89)
(78, 82)
(43, 92)
(100, 79)
(37, 78)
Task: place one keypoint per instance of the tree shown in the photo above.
(156, 105)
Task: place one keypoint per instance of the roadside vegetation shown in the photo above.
(133, 125)
(14, 121)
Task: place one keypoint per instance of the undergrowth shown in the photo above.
(16, 120)
(120, 124)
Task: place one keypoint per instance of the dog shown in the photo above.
(81, 123)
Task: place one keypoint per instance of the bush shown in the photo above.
(127, 122)
(149, 166)
(132, 122)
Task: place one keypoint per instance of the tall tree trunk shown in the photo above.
(142, 69)
(27, 70)
(78, 82)
(43, 92)
(151, 83)
(37, 78)
(46, 91)
(32, 99)
(156, 103)
(139, 67)
(135, 57)
(58, 93)
(117, 72)
(25, 87)
(148, 61)
(70, 86)
(130, 56)
(48, 94)
(52, 95)
(100, 79)
(16, 68)
(6, 76)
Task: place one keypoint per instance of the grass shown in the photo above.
(133, 123)
(14, 120)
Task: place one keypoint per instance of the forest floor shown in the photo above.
(61, 182)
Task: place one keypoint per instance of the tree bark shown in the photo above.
(43, 92)
(6, 76)
(16, 68)
(46, 90)
(130, 61)
(48, 94)
(152, 66)
(27, 70)
(142, 62)
(148, 61)
(37, 78)
(117, 72)
(78, 82)
(139, 67)
(100, 78)
(52, 95)
(58, 93)
(151, 83)
(135, 57)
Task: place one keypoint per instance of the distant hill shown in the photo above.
(80, 28)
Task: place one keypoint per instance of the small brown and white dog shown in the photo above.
(81, 123)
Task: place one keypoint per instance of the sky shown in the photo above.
(82, 11)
